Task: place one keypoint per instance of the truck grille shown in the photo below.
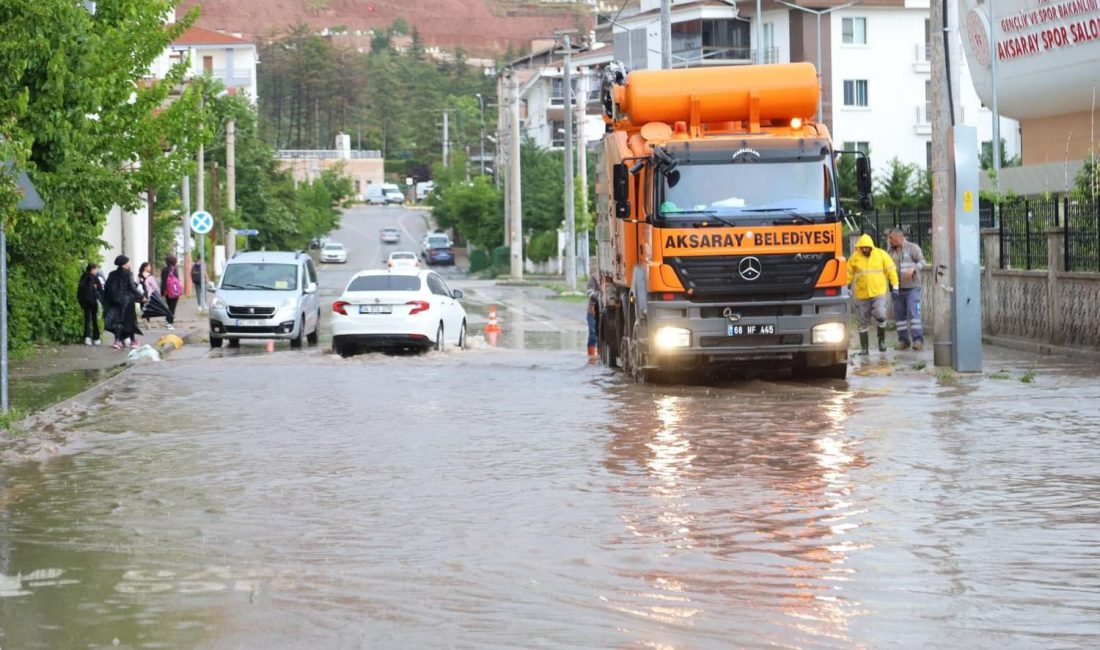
(251, 312)
(750, 341)
(781, 277)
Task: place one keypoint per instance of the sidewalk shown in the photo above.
(54, 373)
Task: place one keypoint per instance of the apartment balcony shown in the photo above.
(714, 55)
(231, 78)
(922, 57)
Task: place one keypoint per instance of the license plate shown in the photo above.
(748, 330)
(375, 309)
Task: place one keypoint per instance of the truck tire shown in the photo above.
(608, 339)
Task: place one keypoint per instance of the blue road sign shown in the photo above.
(247, 232)
(201, 222)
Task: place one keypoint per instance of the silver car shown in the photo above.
(266, 295)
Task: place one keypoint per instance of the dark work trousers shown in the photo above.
(91, 321)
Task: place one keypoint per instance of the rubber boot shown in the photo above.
(592, 354)
(864, 343)
(882, 339)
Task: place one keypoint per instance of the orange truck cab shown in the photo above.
(719, 225)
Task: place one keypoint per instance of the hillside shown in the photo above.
(482, 27)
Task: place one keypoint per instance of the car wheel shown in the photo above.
(234, 343)
(462, 337)
(215, 342)
(439, 338)
(296, 342)
(314, 335)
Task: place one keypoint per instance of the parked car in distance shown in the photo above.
(390, 235)
(376, 195)
(403, 260)
(334, 253)
(393, 194)
(318, 242)
(266, 295)
(434, 239)
(397, 309)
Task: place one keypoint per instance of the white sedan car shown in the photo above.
(403, 260)
(334, 253)
(399, 309)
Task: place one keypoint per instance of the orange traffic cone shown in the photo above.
(270, 345)
(492, 336)
(493, 325)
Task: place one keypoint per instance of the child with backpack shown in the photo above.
(171, 284)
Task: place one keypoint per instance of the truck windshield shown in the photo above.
(750, 191)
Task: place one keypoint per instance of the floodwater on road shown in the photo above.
(520, 498)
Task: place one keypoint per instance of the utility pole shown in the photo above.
(944, 84)
(666, 34)
(231, 180)
(993, 105)
(570, 216)
(186, 191)
(481, 105)
(759, 34)
(582, 159)
(446, 139)
(515, 243)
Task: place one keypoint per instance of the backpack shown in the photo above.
(173, 288)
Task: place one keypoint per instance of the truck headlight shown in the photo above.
(829, 333)
(672, 337)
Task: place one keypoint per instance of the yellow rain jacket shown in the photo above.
(870, 273)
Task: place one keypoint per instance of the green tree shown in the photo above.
(78, 117)
(399, 26)
(895, 186)
(1086, 186)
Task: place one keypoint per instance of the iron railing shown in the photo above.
(916, 224)
(1081, 229)
(1023, 232)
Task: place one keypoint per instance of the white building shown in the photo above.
(874, 64)
(225, 57)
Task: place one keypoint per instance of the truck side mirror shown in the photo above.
(620, 183)
(863, 183)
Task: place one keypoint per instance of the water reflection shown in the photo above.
(736, 499)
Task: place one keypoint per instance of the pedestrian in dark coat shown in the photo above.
(122, 298)
(88, 293)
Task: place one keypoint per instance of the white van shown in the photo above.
(376, 195)
(393, 194)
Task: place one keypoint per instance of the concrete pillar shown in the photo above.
(1056, 263)
(991, 246)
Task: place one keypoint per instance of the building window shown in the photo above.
(770, 52)
(861, 146)
(208, 64)
(927, 39)
(927, 117)
(928, 155)
(855, 92)
(854, 31)
(557, 134)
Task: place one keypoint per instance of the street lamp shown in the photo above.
(481, 104)
(819, 13)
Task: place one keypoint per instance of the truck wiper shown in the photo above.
(795, 217)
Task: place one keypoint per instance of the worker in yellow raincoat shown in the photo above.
(872, 274)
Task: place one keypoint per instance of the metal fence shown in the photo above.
(1082, 235)
(1023, 232)
(916, 224)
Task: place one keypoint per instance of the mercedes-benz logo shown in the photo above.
(750, 268)
(731, 315)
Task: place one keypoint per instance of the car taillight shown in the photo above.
(338, 307)
(418, 306)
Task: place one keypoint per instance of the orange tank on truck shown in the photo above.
(719, 224)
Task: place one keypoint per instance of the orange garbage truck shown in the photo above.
(719, 224)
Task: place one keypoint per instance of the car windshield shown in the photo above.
(439, 242)
(385, 283)
(801, 188)
(402, 256)
(334, 247)
(389, 231)
(260, 276)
